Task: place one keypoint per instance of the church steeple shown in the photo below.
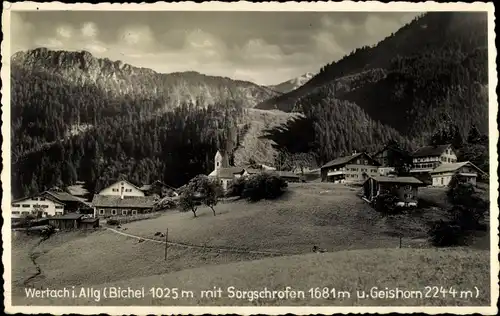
(221, 160)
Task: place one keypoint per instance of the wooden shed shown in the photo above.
(66, 222)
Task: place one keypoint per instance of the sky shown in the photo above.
(262, 47)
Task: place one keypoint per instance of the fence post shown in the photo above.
(166, 244)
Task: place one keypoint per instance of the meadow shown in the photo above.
(362, 250)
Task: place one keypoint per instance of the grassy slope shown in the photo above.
(328, 215)
(350, 271)
(252, 146)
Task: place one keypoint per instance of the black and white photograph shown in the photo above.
(249, 158)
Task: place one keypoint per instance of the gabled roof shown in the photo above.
(229, 173)
(133, 185)
(430, 151)
(451, 167)
(397, 180)
(49, 197)
(386, 147)
(62, 196)
(253, 171)
(126, 202)
(346, 159)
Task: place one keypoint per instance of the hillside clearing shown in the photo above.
(350, 271)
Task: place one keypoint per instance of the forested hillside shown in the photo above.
(432, 71)
(173, 147)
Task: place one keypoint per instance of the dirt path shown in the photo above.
(235, 250)
(33, 257)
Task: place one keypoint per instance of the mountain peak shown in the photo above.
(292, 84)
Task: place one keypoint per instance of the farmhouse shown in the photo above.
(111, 205)
(159, 188)
(427, 158)
(405, 189)
(71, 203)
(349, 169)
(122, 188)
(467, 171)
(389, 157)
(48, 205)
(288, 176)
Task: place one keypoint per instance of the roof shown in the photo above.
(123, 180)
(288, 174)
(126, 202)
(63, 196)
(147, 187)
(346, 159)
(253, 171)
(49, 197)
(401, 180)
(391, 147)
(427, 151)
(229, 172)
(69, 216)
(450, 167)
(90, 220)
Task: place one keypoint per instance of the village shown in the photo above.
(373, 174)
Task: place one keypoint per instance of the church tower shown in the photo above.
(221, 160)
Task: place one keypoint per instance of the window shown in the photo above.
(46, 206)
(45, 213)
(59, 213)
(15, 212)
(134, 212)
(25, 212)
(35, 199)
(101, 211)
(42, 199)
(115, 190)
(26, 205)
(113, 212)
(59, 206)
(16, 205)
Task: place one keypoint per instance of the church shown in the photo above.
(223, 172)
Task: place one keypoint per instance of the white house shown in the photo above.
(28, 205)
(467, 171)
(427, 158)
(122, 188)
(355, 168)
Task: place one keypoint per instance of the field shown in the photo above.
(363, 247)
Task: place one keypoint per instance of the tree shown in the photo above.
(188, 201)
(302, 160)
(37, 211)
(282, 160)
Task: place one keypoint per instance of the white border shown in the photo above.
(246, 6)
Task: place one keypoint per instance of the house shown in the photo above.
(73, 221)
(30, 206)
(467, 171)
(355, 168)
(159, 188)
(110, 205)
(391, 156)
(71, 203)
(288, 176)
(122, 188)
(428, 158)
(405, 189)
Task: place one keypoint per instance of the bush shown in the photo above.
(236, 188)
(446, 234)
(112, 222)
(467, 217)
(264, 186)
(385, 204)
